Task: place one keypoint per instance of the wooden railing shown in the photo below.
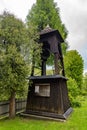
(4, 106)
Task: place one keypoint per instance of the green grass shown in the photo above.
(77, 121)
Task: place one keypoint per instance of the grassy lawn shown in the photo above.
(77, 121)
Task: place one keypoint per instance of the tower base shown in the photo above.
(47, 115)
(48, 97)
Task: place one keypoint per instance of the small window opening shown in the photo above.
(42, 90)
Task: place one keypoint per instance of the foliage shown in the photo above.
(13, 68)
(76, 121)
(13, 38)
(46, 12)
(73, 92)
(12, 30)
(33, 49)
(74, 66)
(13, 71)
(18, 45)
(84, 85)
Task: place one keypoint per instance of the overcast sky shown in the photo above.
(73, 14)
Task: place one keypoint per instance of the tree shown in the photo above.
(74, 66)
(12, 31)
(73, 92)
(13, 68)
(13, 73)
(18, 45)
(46, 12)
(84, 85)
(33, 49)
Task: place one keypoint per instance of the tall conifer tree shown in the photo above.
(46, 12)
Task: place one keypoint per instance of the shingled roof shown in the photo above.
(47, 30)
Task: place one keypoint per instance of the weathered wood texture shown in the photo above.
(57, 103)
(4, 106)
(39, 101)
(51, 40)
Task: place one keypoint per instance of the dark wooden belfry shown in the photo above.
(48, 95)
(51, 40)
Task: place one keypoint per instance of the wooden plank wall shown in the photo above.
(4, 106)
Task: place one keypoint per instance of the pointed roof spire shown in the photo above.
(47, 29)
(48, 26)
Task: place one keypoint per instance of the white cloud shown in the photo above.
(19, 7)
(74, 16)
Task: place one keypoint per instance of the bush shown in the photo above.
(73, 91)
(84, 85)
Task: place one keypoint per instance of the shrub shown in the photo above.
(73, 91)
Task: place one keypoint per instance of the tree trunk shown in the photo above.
(43, 68)
(12, 105)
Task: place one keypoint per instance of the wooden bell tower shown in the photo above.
(51, 40)
(48, 94)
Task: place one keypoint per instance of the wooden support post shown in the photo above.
(43, 68)
(61, 58)
(56, 57)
